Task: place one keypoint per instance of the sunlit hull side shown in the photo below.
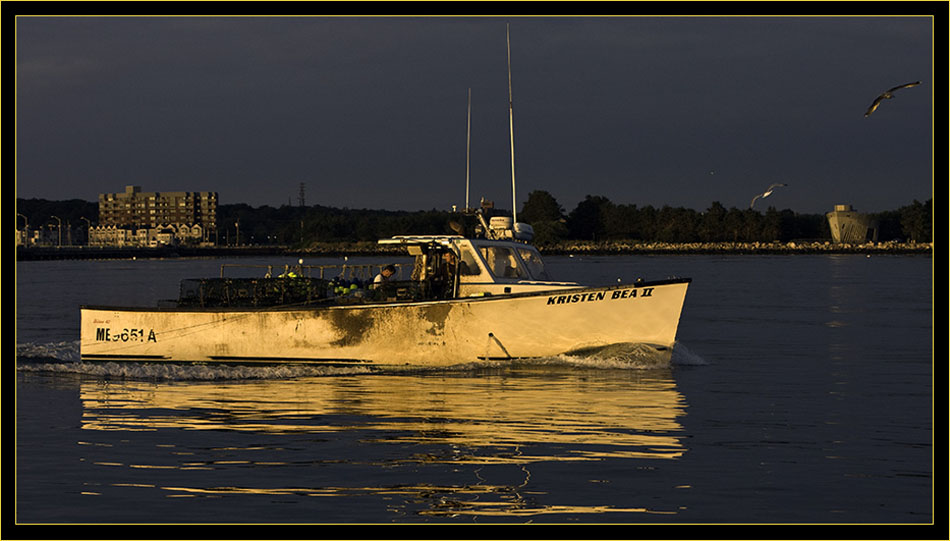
(433, 333)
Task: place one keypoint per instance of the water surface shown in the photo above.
(800, 391)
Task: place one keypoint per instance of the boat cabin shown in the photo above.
(465, 267)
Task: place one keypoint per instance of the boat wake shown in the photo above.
(64, 358)
(682, 356)
(632, 356)
(54, 351)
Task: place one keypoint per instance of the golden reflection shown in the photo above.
(609, 415)
(471, 420)
(501, 500)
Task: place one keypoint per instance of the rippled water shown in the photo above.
(801, 390)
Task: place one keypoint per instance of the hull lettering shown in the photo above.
(601, 295)
(105, 334)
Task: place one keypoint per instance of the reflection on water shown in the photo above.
(606, 418)
(451, 421)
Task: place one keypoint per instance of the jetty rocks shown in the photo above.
(631, 247)
(727, 248)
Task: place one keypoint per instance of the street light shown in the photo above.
(59, 229)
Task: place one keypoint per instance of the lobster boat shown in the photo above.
(466, 299)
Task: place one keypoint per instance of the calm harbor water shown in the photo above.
(800, 391)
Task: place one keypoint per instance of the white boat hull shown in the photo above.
(433, 333)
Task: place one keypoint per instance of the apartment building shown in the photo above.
(142, 218)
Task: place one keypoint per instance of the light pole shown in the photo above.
(59, 230)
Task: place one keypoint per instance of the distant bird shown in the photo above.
(886, 96)
(766, 194)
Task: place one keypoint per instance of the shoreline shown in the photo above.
(740, 248)
(565, 248)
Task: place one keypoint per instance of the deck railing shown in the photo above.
(363, 272)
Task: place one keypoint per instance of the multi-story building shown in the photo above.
(150, 218)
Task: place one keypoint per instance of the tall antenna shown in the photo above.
(511, 125)
(468, 148)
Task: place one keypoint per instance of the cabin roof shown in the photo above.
(444, 240)
(420, 239)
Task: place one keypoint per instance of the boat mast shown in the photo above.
(511, 126)
(468, 149)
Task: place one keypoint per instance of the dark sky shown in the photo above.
(371, 112)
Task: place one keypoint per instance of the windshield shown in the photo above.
(468, 265)
(502, 262)
(532, 259)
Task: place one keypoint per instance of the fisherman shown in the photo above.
(447, 275)
(385, 275)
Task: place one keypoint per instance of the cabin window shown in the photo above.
(468, 265)
(502, 262)
(532, 260)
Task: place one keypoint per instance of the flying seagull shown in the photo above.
(886, 96)
(766, 194)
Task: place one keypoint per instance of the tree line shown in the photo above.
(596, 218)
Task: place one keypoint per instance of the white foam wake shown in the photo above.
(64, 358)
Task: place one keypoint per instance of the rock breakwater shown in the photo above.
(792, 247)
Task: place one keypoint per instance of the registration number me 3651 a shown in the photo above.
(105, 334)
